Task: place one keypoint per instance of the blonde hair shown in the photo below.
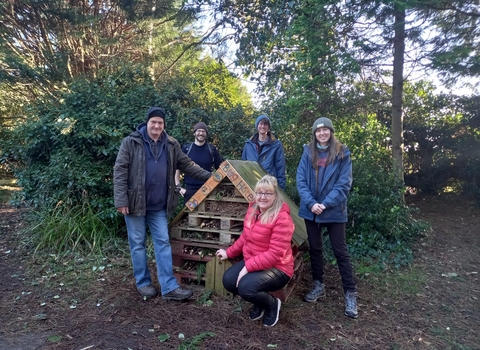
(269, 183)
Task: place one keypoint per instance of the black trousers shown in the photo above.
(254, 286)
(336, 233)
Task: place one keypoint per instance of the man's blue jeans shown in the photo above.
(137, 233)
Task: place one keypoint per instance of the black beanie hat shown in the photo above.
(155, 112)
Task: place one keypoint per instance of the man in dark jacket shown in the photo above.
(144, 192)
(264, 148)
(202, 153)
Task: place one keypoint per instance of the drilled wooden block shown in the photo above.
(195, 234)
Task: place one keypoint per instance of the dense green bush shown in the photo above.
(442, 141)
(381, 228)
(66, 148)
(64, 151)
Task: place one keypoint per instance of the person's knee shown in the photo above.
(163, 241)
(228, 282)
(246, 293)
(137, 240)
(246, 290)
(342, 258)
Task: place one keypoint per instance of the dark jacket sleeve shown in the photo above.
(217, 157)
(303, 185)
(120, 176)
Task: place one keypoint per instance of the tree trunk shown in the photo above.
(397, 96)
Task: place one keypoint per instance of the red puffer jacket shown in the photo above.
(266, 246)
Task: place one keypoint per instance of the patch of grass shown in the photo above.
(71, 229)
(204, 299)
(4, 195)
(364, 270)
(54, 338)
(446, 308)
(405, 282)
(448, 338)
(6, 192)
(195, 342)
(201, 268)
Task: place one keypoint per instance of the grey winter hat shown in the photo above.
(323, 123)
(200, 125)
(260, 118)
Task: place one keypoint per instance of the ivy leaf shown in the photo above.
(163, 337)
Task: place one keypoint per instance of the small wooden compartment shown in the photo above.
(196, 251)
(204, 221)
(231, 224)
(217, 208)
(195, 234)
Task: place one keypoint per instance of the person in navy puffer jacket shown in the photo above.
(263, 147)
(324, 179)
(265, 243)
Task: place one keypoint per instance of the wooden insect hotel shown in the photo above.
(213, 219)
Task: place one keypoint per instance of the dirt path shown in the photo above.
(82, 304)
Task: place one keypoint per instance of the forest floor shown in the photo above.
(53, 303)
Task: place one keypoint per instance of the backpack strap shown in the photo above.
(210, 148)
(188, 147)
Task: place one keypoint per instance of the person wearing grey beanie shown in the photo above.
(263, 147)
(324, 179)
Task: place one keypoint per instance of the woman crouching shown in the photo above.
(265, 243)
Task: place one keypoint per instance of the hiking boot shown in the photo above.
(256, 313)
(178, 294)
(351, 304)
(147, 291)
(317, 292)
(272, 313)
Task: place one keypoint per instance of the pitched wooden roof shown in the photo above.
(244, 175)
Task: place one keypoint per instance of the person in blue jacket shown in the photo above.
(324, 179)
(263, 147)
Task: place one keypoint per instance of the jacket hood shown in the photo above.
(271, 138)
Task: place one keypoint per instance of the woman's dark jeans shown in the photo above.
(254, 286)
(336, 232)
